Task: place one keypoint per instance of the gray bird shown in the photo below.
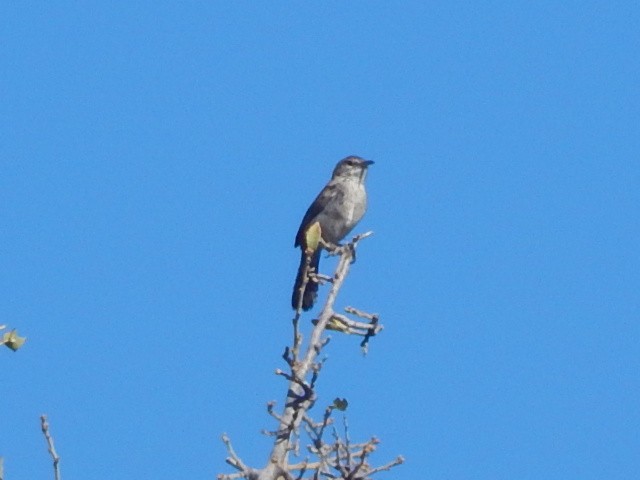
(338, 208)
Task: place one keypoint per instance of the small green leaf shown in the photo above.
(13, 340)
(340, 404)
(336, 323)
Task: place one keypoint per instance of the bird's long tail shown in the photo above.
(311, 289)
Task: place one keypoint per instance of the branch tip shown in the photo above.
(44, 425)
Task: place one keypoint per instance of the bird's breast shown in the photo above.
(344, 214)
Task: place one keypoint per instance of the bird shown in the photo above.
(337, 209)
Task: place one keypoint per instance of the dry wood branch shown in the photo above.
(231, 476)
(292, 356)
(291, 417)
(340, 459)
(316, 430)
(44, 425)
(373, 326)
(361, 314)
(270, 411)
(235, 461)
(398, 461)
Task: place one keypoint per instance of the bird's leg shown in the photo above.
(330, 247)
(337, 249)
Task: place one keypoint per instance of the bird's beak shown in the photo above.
(368, 162)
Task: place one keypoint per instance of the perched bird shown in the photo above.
(337, 209)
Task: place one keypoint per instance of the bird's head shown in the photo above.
(352, 167)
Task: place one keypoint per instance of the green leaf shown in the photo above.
(13, 340)
(340, 404)
(336, 323)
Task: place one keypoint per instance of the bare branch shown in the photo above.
(234, 460)
(360, 313)
(270, 411)
(52, 449)
(398, 461)
(339, 459)
(231, 476)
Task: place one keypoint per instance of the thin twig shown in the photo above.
(347, 440)
(398, 461)
(270, 411)
(360, 313)
(234, 460)
(52, 449)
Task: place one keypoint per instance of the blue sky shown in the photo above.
(157, 158)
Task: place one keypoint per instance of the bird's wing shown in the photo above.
(330, 193)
